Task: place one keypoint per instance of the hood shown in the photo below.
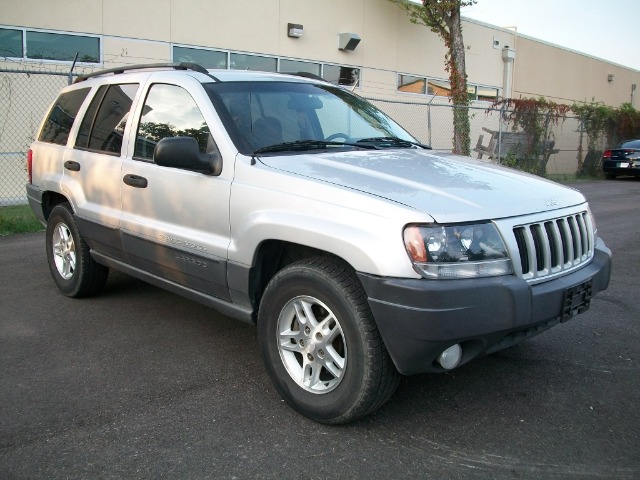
(449, 188)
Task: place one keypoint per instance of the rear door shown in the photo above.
(92, 169)
(175, 223)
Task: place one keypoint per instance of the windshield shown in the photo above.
(259, 115)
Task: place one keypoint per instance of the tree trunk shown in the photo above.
(443, 18)
(458, 79)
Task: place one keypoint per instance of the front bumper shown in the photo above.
(418, 319)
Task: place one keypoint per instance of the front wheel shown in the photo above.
(320, 343)
(76, 274)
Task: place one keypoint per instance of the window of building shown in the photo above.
(336, 74)
(201, 56)
(442, 88)
(297, 66)
(10, 43)
(60, 119)
(411, 84)
(240, 61)
(169, 111)
(102, 128)
(62, 46)
(37, 45)
(439, 88)
(339, 75)
(487, 94)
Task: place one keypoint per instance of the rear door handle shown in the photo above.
(71, 165)
(135, 181)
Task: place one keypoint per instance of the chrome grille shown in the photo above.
(554, 246)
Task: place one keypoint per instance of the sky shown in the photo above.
(606, 29)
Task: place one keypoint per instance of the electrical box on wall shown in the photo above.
(496, 42)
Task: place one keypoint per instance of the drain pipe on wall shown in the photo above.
(508, 57)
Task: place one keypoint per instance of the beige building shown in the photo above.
(393, 59)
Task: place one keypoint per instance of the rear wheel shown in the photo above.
(320, 343)
(76, 274)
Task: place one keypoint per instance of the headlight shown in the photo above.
(457, 251)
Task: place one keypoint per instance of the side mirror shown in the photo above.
(184, 153)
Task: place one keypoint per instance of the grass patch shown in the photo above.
(18, 219)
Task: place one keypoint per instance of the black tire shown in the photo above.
(355, 375)
(610, 176)
(73, 270)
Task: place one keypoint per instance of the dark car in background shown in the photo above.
(624, 159)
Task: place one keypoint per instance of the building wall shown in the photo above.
(136, 31)
(566, 76)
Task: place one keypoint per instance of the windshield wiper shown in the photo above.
(387, 142)
(303, 145)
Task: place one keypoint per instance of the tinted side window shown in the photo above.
(82, 140)
(630, 144)
(169, 111)
(61, 117)
(103, 125)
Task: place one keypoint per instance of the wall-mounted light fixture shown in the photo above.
(348, 41)
(610, 77)
(294, 30)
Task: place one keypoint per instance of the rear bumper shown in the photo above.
(614, 167)
(418, 319)
(34, 196)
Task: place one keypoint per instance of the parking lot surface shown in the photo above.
(140, 383)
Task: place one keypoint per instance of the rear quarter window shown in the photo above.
(630, 144)
(102, 128)
(58, 124)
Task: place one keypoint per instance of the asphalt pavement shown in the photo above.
(140, 383)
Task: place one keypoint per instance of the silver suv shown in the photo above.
(297, 206)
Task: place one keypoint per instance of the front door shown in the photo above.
(175, 223)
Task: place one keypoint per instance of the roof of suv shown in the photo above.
(199, 71)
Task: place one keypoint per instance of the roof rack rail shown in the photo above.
(176, 65)
(308, 75)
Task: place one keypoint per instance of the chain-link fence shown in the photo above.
(556, 146)
(24, 98)
(26, 95)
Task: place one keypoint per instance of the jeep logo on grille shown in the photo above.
(551, 202)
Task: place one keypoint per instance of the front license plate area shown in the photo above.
(576, 300)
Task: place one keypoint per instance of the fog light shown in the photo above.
(451, 357)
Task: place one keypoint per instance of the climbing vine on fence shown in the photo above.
(595, 119)
(602, 125)
(533, 117)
